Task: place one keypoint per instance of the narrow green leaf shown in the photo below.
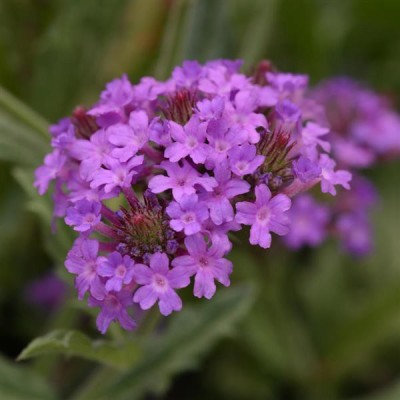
(22, 113)
(190, 335)
(57, 244)
(19, 383)
(23, 134)
(170, 41)
(185, 36)
(69, 54)
(258, 30)
(214, 42)
(74, 343)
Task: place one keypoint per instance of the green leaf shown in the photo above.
(215, 41)
(70, 52)
(19, 383)
(74, 343)
(186, 38)
(56, 244)
(190, 335)
(170, 40)
(257, 33)
(23, 134)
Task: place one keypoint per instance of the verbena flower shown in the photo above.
(364, 131)
(155, 176)
(267, 214)
(308, 222)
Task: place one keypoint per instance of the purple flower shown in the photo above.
(355, 232)
(92, 153)
(330, 178)
(130, 138)
(308, 222)
(310, 135)
(188, 74)
(118, 269)
(48, 292)
(222, 137)
(288, 85)
(220, 81)
(64, 140)
(160, 132)
(60, 127)
(114, 308)
(147, 90)
(219, 233)
(188, 214)
(288, 117)
(118, 175)
(82, 260)
(83, 215)
(265, 215)
(53, 164)
(119, 92)
(218, 200)
(243, 159)
(158, 283)
(362, 195)
(364, 123)
(189, 141)
(181, 180)
(179, 158)
(352, 154)
(306, 170)
(241, 114)
(211, 109)
(206, 264)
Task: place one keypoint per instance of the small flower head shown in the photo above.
(156, 176)
(158, 284)
(267, 214)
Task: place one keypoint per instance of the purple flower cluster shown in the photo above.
(364, 131)
(156, 175)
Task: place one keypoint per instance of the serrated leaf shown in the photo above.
(190, 336)
(19, 383)
(74, 343)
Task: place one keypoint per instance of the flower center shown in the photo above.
(191, 142)
(120, 271)
(263, 215)
(221, 146)
(112, 301)
(143, 228)
(160, 281)
(204, 262)
(241, 166)
(120, 175)
(189, 217)
(90, 218)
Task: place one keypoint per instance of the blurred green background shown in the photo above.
(312, 325)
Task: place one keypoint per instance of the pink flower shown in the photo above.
(267, 214)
